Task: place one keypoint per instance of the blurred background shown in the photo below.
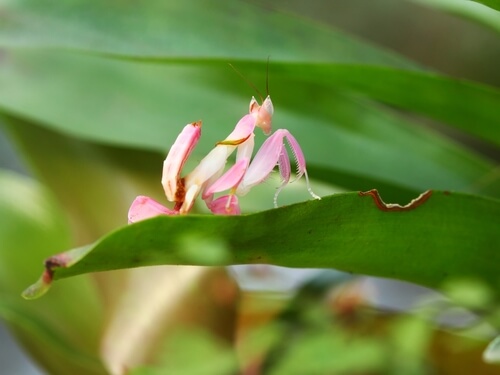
(440, 41)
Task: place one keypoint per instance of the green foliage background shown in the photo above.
(94, 93)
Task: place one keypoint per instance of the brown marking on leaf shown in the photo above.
(55, 261)
(43, 284)
(47, 276)
(381, 205)
(58, 260)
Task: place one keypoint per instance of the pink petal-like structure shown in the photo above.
(145, 208)
(242, 131)
(225, 205)
(229, 180)
(174, 162)
(209, 178)
(272, 153)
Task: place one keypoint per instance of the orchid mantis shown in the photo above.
(209, 178)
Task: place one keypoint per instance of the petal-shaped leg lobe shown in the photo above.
(228, 180)
(225, 205)
(263, 163)
(177, 156)
(272, 153)
(144, 208)
(242, 131)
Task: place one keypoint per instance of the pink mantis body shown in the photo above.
(208, 178)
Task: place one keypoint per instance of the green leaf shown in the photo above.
(131, 104)
(323, 352)
(213, 357)
(470, 106)
(440, 236)
(494, 4)
(484, 12)
(46, 343)
(85, 176)
(113, 28)
(188, 30)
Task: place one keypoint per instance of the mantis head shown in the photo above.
(263, 113)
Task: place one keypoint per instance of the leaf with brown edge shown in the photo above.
(414, 203)
(450, 235)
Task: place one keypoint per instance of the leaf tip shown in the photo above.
(39, 288)
(62, 260)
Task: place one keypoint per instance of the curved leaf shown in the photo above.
(484, 12)
(85, 176)
(439, 236)
(142, 105)
(470, 106)
(191, 30)
(104, 27)
(494, 4)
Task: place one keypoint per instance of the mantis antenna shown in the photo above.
(249, 83)
(267, 76)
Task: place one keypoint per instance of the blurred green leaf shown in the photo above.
(484, 12)
(213, 357)
(472, 294)
(57, 332)
(46, 343)
(411, 337)
(469, 106)
(448, 236)
(194, 30)
(104, 27)
(494, 4)
(85, 177)
(95, 184)
(325, 353)
(145, 105)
